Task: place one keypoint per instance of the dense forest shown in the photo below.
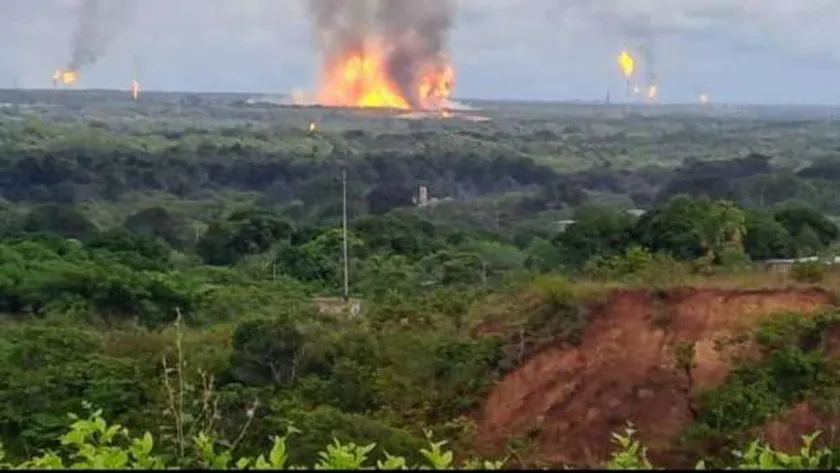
(176, 265)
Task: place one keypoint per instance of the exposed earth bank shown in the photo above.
(634, 363)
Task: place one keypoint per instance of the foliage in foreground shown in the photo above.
(93, 444)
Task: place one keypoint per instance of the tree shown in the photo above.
(320, 260)
(689, 228)
(214, 248)
(59, 219)
(542, 256)
(257, 232)
(722, 227)
(46, 372)
(398, 232)
(766, 238)
(156, 222)
(672, 228)
(797, 217)
(267, 352)
(381, 275)
(386, 197)
(134, 250)
(243, 233)
(634, 260)
(10, 221)
(807, 242)
(452, 268)
(596, 231)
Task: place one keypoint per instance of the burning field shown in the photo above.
(386, 55)
(389, 54)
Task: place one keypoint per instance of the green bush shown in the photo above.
(810, 272)
(794, 368)
(92, 443)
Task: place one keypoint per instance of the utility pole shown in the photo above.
(344, 235)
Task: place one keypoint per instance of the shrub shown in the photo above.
(810, 272)
(93, 444)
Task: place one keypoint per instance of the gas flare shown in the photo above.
(627, 64)
(704, 98)
(628, 67)
(653, 92)
(135, 90)
(65, 76)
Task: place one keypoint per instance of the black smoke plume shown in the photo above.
(98, 22)
(417, 32)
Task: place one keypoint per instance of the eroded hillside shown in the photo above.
(644, 357)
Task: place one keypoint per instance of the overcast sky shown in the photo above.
(756, 51)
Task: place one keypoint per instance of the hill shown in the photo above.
(657, 359)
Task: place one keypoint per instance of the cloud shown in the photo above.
(561, 47)
(794, 27)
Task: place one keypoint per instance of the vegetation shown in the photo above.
(93, 444)
(177, 263)
(795, 368)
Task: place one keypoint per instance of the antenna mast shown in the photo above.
(344, 234)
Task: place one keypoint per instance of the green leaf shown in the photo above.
(278, 455)
(392, 463)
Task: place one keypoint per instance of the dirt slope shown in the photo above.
(569, 400)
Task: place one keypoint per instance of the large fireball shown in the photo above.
(364, 77)
(384, 53)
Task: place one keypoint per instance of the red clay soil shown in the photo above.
(786, 433)
(569, 400)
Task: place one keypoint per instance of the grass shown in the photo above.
(749, 279)
(510, 306)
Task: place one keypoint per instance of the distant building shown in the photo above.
(562, 225)
(637, 212)
(784, 265)
(336, 306)
(423, 200)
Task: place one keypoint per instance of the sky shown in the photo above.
(743, 51)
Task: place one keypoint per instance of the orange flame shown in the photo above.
(360, 78)
(436, 86)
(66, 76)
(135, 89)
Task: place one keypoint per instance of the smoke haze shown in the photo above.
(792, 27)
(98, 22)
(737, 50)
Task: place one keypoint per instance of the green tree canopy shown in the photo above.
(596, 231)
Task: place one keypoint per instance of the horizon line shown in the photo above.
(712, 104)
